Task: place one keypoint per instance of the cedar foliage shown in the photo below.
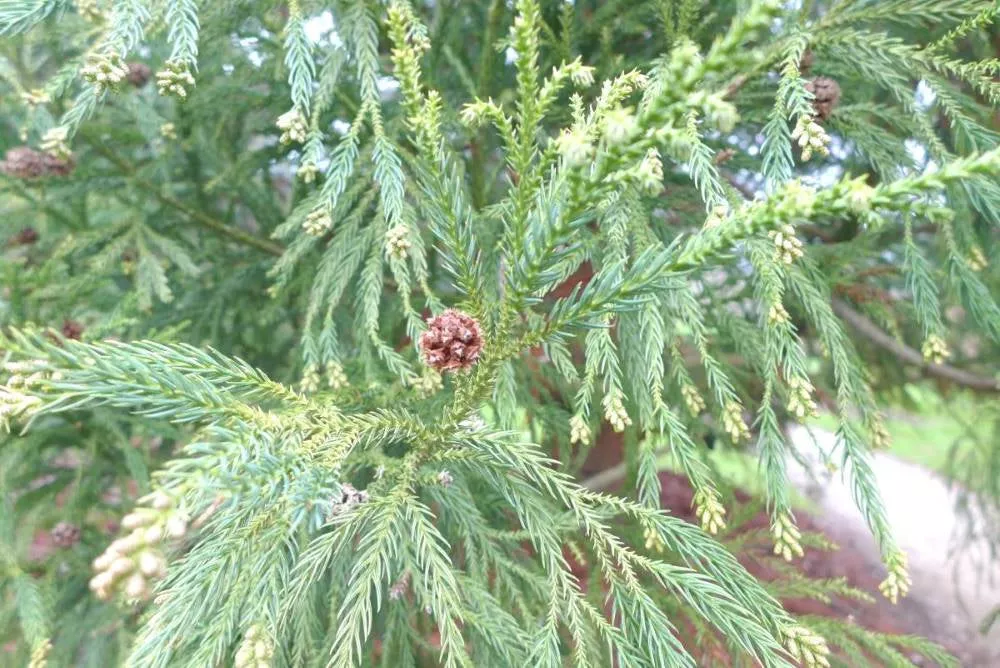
(302, 184)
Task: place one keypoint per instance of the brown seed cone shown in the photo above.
(453, 340)
(826, 95)
(25, 237)
(805, 65)
(71, 329)
(138, 74)
(65, 535)
(26, 163)
(724, 156)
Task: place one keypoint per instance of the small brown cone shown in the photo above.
(138, 74)
(453, 340)
(71, 329)
(805, 65)
(25, 163)
(65, 535)
(826, 95)
(25, 237)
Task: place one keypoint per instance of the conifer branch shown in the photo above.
(130, 172)
(913, 357)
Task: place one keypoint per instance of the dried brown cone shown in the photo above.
(25, 237)
(826, 95)
(805, 65)
(23, 162)
(138, 74)
(453, 340)
(65, 535)
(724, 156)
(71, 329)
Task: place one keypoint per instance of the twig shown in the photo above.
(911, 356)
(606, 478)
(199, 217)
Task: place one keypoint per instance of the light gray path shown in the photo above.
(956, 577)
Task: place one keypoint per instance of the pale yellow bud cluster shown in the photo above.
(317, 223)
(798, 200)
(310, 379)
(721, 114)
(715, 217)
(27, 372)
(293, 127)
(90, 10)
(40, 654)
(307, 171)
(475, 113)
(335, 376)
(619, 126)
(580, 74)
(898, 582)
(650, 172)
(653, 540)
(692, 399)
(935, 349)
(397, 241)
(787, 246)
(811, 137)
(168, 131)
(786, 537)
(859, 196)
(574, 147)
(131, 563)
(579, 431)
(15, 401)
(15, 404)
(428, 383)
(55, 142)
(104, 70)
(881, 439)
(977, 259)
(614, 411)
(174, 79)
(256, 650)
(807, 647)
(709, 510)
(35, 97)
(474, 422)
(800, 397)
(732, 422)
(777, 315)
